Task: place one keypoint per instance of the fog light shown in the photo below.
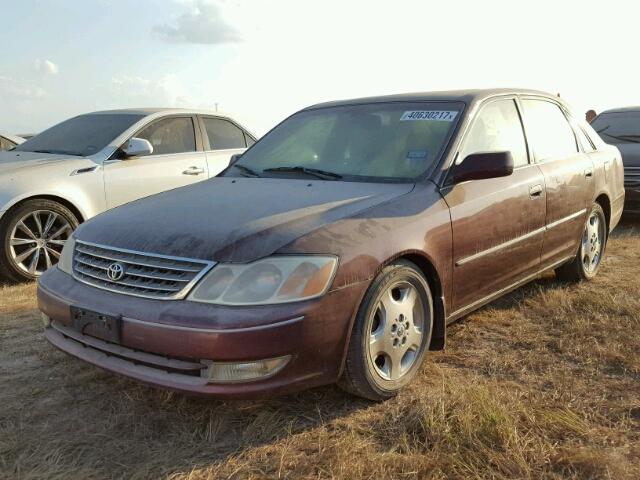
(230, 372)
(46, 321)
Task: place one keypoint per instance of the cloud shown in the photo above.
(46, 66)
(203, 24)
(166, 91)
(12, 89)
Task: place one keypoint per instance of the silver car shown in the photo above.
(97, 161)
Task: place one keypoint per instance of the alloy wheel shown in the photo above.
(37, 240)
(396, 331)
(593, 242)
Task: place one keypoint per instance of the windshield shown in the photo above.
(618, 127)
(373, 142)
(83, 135)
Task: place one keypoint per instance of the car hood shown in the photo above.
(233, 219)
(630, 154)
(11, 160)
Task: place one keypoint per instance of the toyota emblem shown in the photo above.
(115, 271)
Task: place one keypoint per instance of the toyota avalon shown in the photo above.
(339, 247)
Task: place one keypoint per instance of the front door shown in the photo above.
(498, 223)
(568, 176)
(175, 162)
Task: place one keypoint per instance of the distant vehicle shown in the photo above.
(339, 246)
(93, 162)
(7, 142)
(621, 127)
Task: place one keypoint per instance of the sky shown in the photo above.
(261, 60)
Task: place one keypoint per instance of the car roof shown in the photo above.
(466, 96)
(621, 110)
(152, 111)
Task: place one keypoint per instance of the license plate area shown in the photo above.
(95, 324)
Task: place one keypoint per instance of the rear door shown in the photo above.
(177, 160)
(498, 223)
(222, 139)
(568, 176)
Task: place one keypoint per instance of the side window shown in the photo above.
(497, 128)
(223, 134)
(250, 141)
(171, 135)
(586, 145)
(548, 130)
(585, 142)
(594, 138)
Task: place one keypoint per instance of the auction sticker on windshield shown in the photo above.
(437, 115)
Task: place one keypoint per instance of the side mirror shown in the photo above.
(234, 158)
(478, 166)
(137, 147)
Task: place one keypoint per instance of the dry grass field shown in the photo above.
(544, 383)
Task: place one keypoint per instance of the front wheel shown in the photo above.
(391, 334)
(32, 236)
(591, 250)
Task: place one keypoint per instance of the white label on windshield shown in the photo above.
(435, 115)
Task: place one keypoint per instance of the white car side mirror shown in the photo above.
(138, 147)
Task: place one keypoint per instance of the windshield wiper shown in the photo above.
(321, 174)
(248, 172)
(57, 152)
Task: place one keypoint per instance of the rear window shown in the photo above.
(618, 127)
(223, 134)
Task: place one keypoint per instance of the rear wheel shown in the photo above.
(587, 262)
(391, 334)
(33, 235)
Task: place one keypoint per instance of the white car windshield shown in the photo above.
(83, 135)
(395, 141)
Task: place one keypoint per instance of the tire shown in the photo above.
(384, 355)
(39, 226)
(593, 242)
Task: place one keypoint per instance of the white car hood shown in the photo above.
(12, 161)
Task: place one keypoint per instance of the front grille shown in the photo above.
(145, 275)
(632, 177)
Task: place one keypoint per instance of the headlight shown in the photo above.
(65, 263)
(277, 279)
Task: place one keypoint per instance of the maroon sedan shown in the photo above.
(339, 247)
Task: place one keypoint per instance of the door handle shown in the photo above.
(588, 173)
(535, 191)
(193, 171)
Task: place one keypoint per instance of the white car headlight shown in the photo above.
(65, 262)
(277, 279)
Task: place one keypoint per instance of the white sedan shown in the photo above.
(97, 161)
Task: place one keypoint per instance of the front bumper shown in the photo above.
(163, 342)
